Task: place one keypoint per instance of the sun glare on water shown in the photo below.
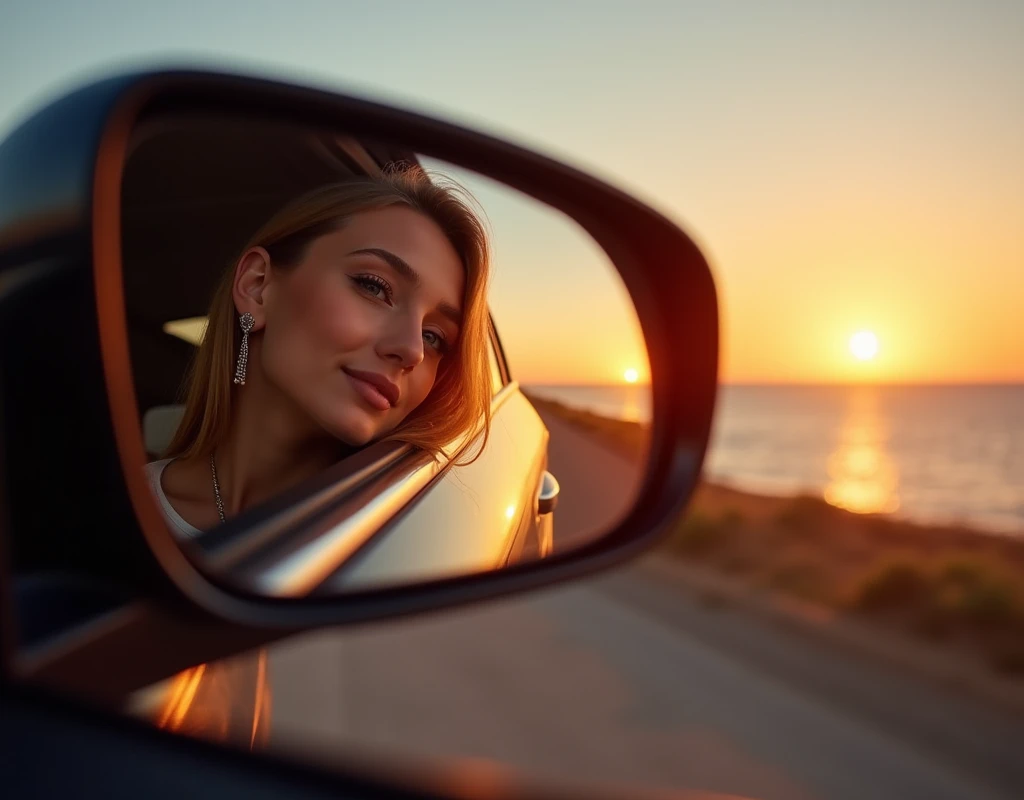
(864, 345)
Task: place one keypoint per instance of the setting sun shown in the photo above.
(864, 345)
(631, 375)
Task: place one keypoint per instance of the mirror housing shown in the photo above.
(75, 500)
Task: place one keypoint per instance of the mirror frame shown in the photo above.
(60, 176)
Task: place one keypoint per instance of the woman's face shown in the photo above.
(355, 333)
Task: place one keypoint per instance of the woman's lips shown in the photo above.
(370, 393)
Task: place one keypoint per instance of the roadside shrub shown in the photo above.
(975, 591)
(631, 438)
(893, 585)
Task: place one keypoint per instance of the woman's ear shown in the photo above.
(252, 274)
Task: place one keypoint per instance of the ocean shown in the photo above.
(928, 453)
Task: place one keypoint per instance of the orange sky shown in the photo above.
(935, 271)
(909, 225)
(851, 171)
(844, 166)
(923, 245)
(561, 310)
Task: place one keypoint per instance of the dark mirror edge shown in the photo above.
(655, 259)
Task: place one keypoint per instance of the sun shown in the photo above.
(631, 375)
(864, 345)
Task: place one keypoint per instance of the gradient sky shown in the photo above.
(844, 166)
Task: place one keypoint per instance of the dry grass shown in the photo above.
(629, 438)
(956, 586)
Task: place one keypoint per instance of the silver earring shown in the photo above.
(246, 321)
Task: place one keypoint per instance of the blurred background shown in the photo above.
(841, 614)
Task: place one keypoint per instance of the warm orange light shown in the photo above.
(864, 345)
(180, 696)
(631, 375)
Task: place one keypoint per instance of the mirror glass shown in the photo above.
(357, 366)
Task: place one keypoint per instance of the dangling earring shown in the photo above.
(246, 321)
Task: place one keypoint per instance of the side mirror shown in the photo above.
(124, 204)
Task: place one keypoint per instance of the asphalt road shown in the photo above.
(597, 486)
(629, 680)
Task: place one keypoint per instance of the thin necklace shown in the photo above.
(216, 489)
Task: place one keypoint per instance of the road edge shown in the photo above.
(843, 632)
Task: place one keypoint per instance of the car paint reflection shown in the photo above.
(227, 701)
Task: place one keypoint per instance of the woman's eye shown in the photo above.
(374, 287)
(435, 340)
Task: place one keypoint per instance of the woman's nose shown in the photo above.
(404, 347)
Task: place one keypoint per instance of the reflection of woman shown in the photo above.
(357, 313)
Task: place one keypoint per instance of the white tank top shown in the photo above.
(154, 471)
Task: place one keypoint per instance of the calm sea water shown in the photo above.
(935, 453)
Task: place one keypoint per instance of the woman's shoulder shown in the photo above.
(154, 472)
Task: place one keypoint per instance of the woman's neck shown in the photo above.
(270, 447)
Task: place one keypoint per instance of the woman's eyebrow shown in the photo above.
(401, 266)
(450, 311)
(398, 264)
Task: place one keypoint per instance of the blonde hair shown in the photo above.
(459, 401)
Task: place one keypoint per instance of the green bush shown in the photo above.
(976, 591)
(893, 585)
